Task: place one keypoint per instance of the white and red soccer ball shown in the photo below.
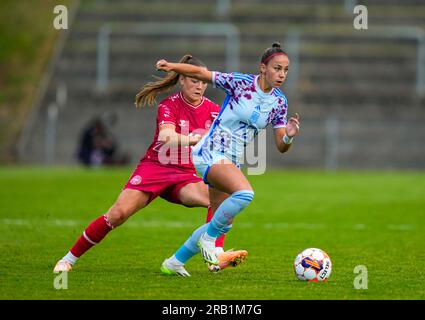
(313, 265)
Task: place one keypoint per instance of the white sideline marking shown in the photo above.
(359, 226)
(401, 227)
(180, 224)
(281, 225)
(66, 223)
(17, 222)
(160, 224)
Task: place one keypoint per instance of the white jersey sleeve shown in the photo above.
(279, 120)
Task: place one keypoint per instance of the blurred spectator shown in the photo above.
(97, 144)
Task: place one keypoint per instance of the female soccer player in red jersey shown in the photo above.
(166, 170)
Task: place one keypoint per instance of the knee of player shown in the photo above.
(195, 200)
(244, 197)
(117, 215)
(203, 199)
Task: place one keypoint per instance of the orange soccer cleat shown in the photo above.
(229, 258)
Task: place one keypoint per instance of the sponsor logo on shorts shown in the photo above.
(136, 180)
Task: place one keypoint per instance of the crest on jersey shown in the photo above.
(255, 115)
(136, 180)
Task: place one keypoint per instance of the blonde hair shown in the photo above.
(149, 92)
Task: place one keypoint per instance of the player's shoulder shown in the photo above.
(171, 100)
(243, 77)
(280, 96)
(237, 76)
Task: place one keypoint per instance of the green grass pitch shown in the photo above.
(375, 219)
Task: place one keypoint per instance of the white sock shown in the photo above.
(70, 258)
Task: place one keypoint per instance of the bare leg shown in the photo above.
(129, 202)
(195, 195)
(225, 177)
(228, 178)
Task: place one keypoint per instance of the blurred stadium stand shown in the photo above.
(356, 91)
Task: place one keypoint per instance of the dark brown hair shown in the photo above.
(275, 49)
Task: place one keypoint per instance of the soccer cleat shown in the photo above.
(63, 266)
(207, 247)
(229, 258)
(170, 268)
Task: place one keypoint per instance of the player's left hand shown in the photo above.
(293, 126)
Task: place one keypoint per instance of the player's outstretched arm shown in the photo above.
(167, 134)
(283, 136)
(200, 73)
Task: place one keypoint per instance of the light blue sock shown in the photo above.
(228, 210)
(190, 247)
(219, 224)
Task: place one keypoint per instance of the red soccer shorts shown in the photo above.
(161, 180)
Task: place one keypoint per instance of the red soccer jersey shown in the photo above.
(187, 119)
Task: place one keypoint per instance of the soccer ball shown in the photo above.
(313, 265)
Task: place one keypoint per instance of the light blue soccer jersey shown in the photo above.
(245, 111)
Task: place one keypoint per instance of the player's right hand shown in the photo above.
(194, 138)
(163, 65)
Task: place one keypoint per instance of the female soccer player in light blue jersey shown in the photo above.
(252, 102)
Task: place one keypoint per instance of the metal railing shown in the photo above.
(223, 7)
(294, 38)
(229, 31)
(52, 123)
